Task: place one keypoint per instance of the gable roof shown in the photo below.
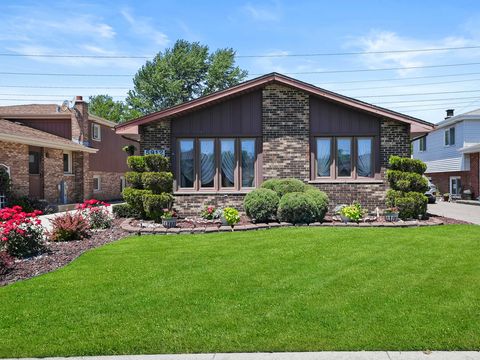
(17, 133)
(469, 115)
(417, 125)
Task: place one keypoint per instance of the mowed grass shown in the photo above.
(293, 289)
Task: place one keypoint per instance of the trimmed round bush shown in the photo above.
(407, 164)
(154, 205)
(136, 163)
(158, 182)
(284, 186)
(297, 208)
(156, 163)
(411, 205)
(134, 179)
(261, 204)
(134, 198)
(321, 202)
(407, 181)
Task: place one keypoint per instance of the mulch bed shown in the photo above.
(450, 221)
(60, 254)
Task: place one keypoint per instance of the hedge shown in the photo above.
(125, 211)
(156, 163)
(134, 179)
(297, 207)
(136, 163)
(158, 182)
(321, 202)
(153, 205)
(407, 181)
(261, 204)
(134, 198)
(407, 164)
(410, 205)
(284, 186)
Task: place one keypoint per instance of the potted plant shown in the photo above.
(230, 216)
(169, 218)
(446, 197)
(391, 214)
(352, 213)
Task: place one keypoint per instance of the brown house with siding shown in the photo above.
(225, 144)
(61, 154)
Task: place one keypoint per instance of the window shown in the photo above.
(96, 132)
(34, 162)
(422, 144)
(344, 157)
(67, 162)
(208, 164)
(97, 183)
(450, 137)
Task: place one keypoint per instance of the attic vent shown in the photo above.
(449, 113)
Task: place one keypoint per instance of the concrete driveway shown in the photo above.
(470, 213)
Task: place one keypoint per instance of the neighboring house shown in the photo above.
(451, 153)
(224, 144)
(61, 154)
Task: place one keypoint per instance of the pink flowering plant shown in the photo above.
(96, 213)
(21, 233)
(210, 212)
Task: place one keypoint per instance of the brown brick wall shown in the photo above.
(52, 174)
(110, 185)
(193, 204)
(156, 136)
(285, 124)
(15, 156)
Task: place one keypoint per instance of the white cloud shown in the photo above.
(271, 12)
(142, 26)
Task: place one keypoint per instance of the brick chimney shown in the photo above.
(80, 128)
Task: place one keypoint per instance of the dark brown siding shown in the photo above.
(59, 127)
(240, 116)
(110, 158)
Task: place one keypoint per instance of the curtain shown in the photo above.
(323, 157)
(228, 168)
(364, 160)
(207, 163)
(344, 158)
(186, 163)
(248, 163)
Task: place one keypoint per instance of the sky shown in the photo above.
(281, 36)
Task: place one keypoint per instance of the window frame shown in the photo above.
(70, 162)
(217, 188)
(99, 188)
(422, 140)
(447, 139)
(99, 127)
(333, 159)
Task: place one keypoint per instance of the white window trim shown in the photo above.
(99, 183)
(99, 138)
(70, 160)
(450, 183)
(449, 136)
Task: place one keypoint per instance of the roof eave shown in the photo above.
(45, 143)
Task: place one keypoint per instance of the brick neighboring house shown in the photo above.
(61, 154)
(224, 144)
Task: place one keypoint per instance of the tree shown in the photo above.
(117, 111)
(183, 73)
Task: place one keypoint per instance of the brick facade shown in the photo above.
(109, 185)
(15, 156)
(286, 153)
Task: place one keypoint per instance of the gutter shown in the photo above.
(45, 143)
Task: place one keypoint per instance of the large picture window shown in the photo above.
(343, 158)
(208, 164)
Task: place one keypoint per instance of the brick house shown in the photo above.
(61, 154)
(224, 144)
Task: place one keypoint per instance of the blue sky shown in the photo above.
(251, 28)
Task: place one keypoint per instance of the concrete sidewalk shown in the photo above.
(326, 355)
(470, 213)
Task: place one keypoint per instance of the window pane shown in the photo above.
(248, 162)
(452, 136)
(324, 158)
(447, 137)
(364, 158)
(207, 163)
(186, 163)
(34, 162)
(344, 157)
(66, 166)
(228, 162)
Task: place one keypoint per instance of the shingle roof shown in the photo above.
(14, 132)
(34, 109)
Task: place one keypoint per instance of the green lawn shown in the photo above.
(295, 289)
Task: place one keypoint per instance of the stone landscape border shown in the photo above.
(127, 226)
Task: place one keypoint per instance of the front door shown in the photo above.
(35, 172)
(455, 186)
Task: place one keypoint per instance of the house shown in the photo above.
(224, 144)
(61, 154)
(451, 153)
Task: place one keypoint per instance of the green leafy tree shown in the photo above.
(183, 73)
(107, 108)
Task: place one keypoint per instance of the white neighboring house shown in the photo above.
(451, 152)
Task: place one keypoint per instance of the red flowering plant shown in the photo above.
(96, 213)
(210, 212)
(21, 233)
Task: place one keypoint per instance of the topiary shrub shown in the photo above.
(411, 205)
(407, 165)
(284, 186)
(297, 208)
(134, 179)
(321, 202)
(407, 181)
(261, 204)
(136, 163)
(158, 182)
(155, 204)
(156, 163)
(134, 198)
(125, 211)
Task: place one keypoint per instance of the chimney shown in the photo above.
(449, 113)
(80, 128)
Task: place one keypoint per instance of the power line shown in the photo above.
(64, 87)
(249, 56)
(427, 105)
(425, 100)
(64, 95)
(418, 94)
(63, 74)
